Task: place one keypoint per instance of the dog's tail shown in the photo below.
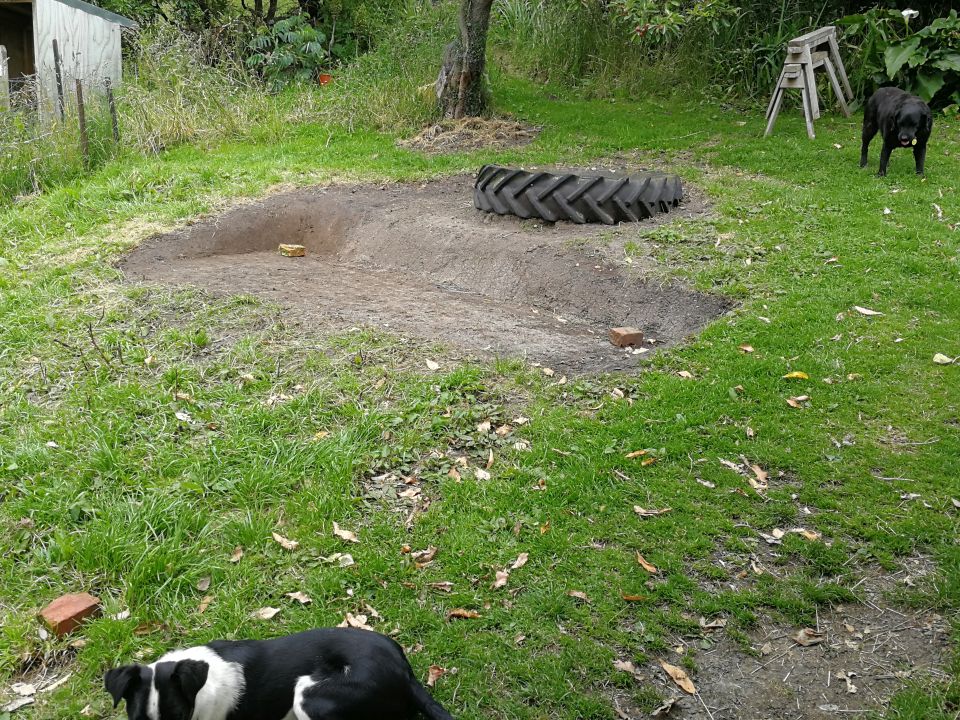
(426, 704)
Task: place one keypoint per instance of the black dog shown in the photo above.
(903, 120)
(330, 674)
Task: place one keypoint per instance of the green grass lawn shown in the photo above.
(145, 433)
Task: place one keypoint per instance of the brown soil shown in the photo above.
(469, 134)
(880, 649)
(879, 645)
(421, 261)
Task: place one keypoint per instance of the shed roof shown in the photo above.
(105, 14)
(89, 8)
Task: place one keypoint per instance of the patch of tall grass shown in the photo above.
(598, 48)
(194, 88)
(391, 87)
(175, 92)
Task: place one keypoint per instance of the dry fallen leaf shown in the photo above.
(625, 666)
(941, 359)
(866, 311)
(548, 372)
(490, 460)
(714, 624)
(444, 586)
(685, 375)
(344, 534)
(679, 677)
(203, 584)
(520, 561)
(285, 543)
(635, 454)
(484, 427)
(481, 474)
(204, 604)
(634, 598)
(578, 594)
(665, 708)
(424, 556)
(806, 534)
(746, 348)
(808, 636)
(300, 596)
(646, 462)
(236, 554)
(432, 365)
(797, 402)
(355, 621)
(462, 614)
(644, 512)
(504, 430)
(501, 581)
(435, 673)
(646, 565)
(796, 375)
(265, 613)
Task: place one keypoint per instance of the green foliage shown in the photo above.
(670, 19)
(290, 50)
(925, 62)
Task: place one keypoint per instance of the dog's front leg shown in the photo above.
(869, 130)
(920, 156)
(884, 158)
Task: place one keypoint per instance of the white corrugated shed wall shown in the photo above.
(89, 49)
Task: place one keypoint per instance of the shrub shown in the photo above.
(290, 50)
(925, 62)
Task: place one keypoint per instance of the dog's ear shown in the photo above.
(119, 682)
(191, 675)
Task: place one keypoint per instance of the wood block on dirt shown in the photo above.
(292, 250)
(624, 336)
(67, 612)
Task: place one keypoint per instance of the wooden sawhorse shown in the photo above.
(805, 54)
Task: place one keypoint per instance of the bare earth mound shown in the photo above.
(420, 260)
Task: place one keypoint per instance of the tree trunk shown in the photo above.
(461, 89)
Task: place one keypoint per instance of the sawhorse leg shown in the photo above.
(838, 91)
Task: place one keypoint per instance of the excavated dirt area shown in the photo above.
(421, 261)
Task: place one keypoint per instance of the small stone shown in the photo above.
(292, 250)
(66, 613)
(624, 336)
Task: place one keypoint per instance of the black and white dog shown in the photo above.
(327, 674)
(902, 119)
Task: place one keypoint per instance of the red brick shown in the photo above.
(623, 336)
(66, 613)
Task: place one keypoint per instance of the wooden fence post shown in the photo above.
(4, 80)
(112, 103)
(81, 114)
(58, 70)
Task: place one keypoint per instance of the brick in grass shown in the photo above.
(68, 612)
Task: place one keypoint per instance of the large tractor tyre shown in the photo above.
(507, 191)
